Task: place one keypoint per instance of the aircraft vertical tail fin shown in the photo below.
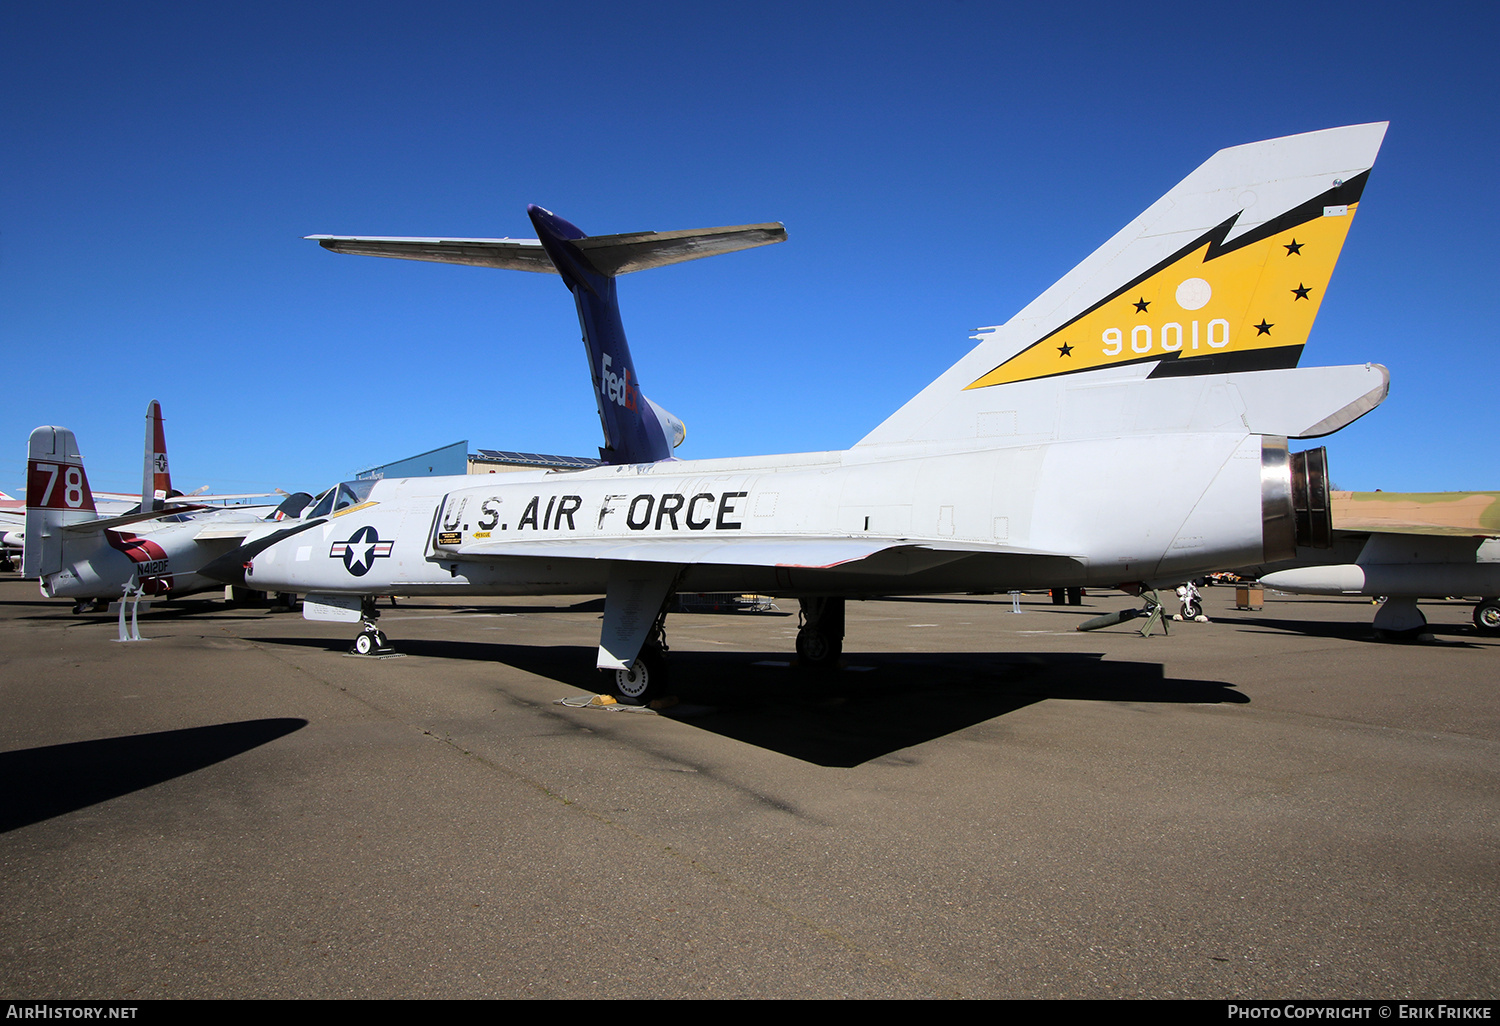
(156, 478)
(1225, 273)
(636, 430)
(57, 494)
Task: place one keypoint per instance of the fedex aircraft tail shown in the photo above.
(57, 495)
(1213, 285)
(636, 430)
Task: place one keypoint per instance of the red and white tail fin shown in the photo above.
(57, 494)
(156, 479)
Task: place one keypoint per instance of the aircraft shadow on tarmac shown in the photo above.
(877, 703)
(41, 783)
(1446, 634)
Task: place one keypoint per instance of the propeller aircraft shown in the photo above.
(154, 549)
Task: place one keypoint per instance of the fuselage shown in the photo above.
(1089, 512)
(162, 557)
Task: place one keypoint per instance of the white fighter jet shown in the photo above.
(1404, 546)
(1128, 428)
(154, 549)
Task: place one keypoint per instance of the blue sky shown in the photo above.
(936, 165)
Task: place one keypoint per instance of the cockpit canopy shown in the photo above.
(341, 496)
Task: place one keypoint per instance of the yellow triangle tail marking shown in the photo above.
(1254, 298)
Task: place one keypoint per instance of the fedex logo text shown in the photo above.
(617, 388)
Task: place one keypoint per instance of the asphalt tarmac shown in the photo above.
(979, 804)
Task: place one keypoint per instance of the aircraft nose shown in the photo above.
(228, 568)
(232, 567)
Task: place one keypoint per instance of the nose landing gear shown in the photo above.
(371, 640)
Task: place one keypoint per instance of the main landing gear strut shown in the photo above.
(820, 644)
(371, 640)
(1487, 616)
(820, 637)
(647, 677)
(1399, 619)
(632, 638)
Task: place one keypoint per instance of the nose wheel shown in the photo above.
(371, 640)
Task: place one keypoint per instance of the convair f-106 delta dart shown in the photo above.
(1128, 428)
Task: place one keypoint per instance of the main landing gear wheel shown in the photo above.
(817, 648)
(645, 680)
(820, 639)
(1487, 616)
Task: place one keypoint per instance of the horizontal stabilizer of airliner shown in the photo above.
(609, 254)
(636, 430)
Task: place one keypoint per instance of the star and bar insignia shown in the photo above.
(361, 550)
